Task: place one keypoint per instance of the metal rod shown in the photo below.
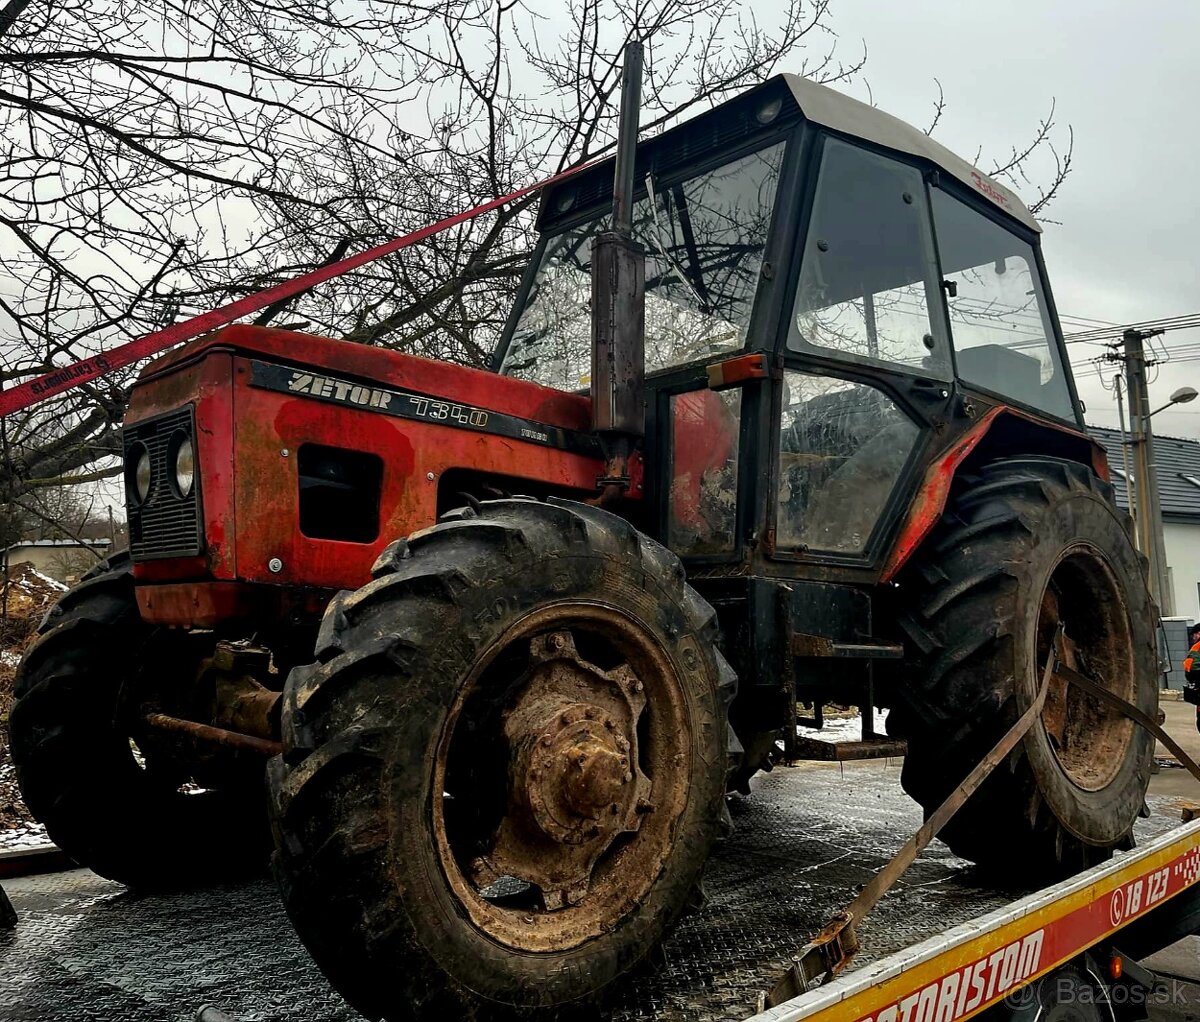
(213, 735)
(627, 132)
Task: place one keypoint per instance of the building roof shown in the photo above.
(1177, 465)
(839, 112)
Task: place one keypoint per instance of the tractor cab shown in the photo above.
(831, 299)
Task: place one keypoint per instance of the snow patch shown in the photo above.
(844, 729)
(32, 835)
(52, 583)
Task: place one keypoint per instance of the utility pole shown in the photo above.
(1149, 510)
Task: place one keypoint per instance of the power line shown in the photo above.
(1087, 319)
(1185, 322)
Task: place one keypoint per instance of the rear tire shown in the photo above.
(394, 793)
(75, 764)
(1028, 542)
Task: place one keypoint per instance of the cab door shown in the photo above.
(868, 373)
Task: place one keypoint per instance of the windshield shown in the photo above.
(704, 238)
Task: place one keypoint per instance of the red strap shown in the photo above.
(31, 392)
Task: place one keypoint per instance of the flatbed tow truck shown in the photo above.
(942, 945)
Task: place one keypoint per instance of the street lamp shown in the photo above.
(1179, 397)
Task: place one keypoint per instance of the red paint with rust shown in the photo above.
(930, 501)
(249, 487)
(205, 383)
(209, 604)
(704, 439)
(410, 372)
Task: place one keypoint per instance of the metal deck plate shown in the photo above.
(806, 839)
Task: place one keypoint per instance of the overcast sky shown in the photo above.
(1126, 77)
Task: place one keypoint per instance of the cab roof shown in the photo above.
(839, 112)
(762, 109)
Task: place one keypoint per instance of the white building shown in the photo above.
(61, 559)
(1177, 464)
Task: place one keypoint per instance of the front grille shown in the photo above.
(165, 524)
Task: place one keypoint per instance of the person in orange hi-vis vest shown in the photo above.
(1191, 671)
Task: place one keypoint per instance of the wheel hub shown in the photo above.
(577, 772)
(575, 780)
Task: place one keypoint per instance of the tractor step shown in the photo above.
(841, 752)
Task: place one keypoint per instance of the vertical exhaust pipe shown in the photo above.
(618, 388)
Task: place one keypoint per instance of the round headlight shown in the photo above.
(185, 466)
(141, 472)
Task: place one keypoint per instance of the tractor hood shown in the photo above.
(428, 377)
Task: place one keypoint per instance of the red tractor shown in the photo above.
(504, 647)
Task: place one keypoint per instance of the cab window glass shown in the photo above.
(842, 449)
(705, 430)
(1002, 335)
(704, 238)
(867, 269)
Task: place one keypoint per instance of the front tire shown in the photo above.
(1028, 543)
(72, 721)
(503, 777)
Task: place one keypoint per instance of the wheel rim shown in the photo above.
(562, 769)
(1089, 739)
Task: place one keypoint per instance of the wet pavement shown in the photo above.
(804, 843)
(1172, 779)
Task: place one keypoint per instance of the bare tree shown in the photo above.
(159, 159)
(148, 151)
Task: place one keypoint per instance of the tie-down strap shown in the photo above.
(830, 951)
